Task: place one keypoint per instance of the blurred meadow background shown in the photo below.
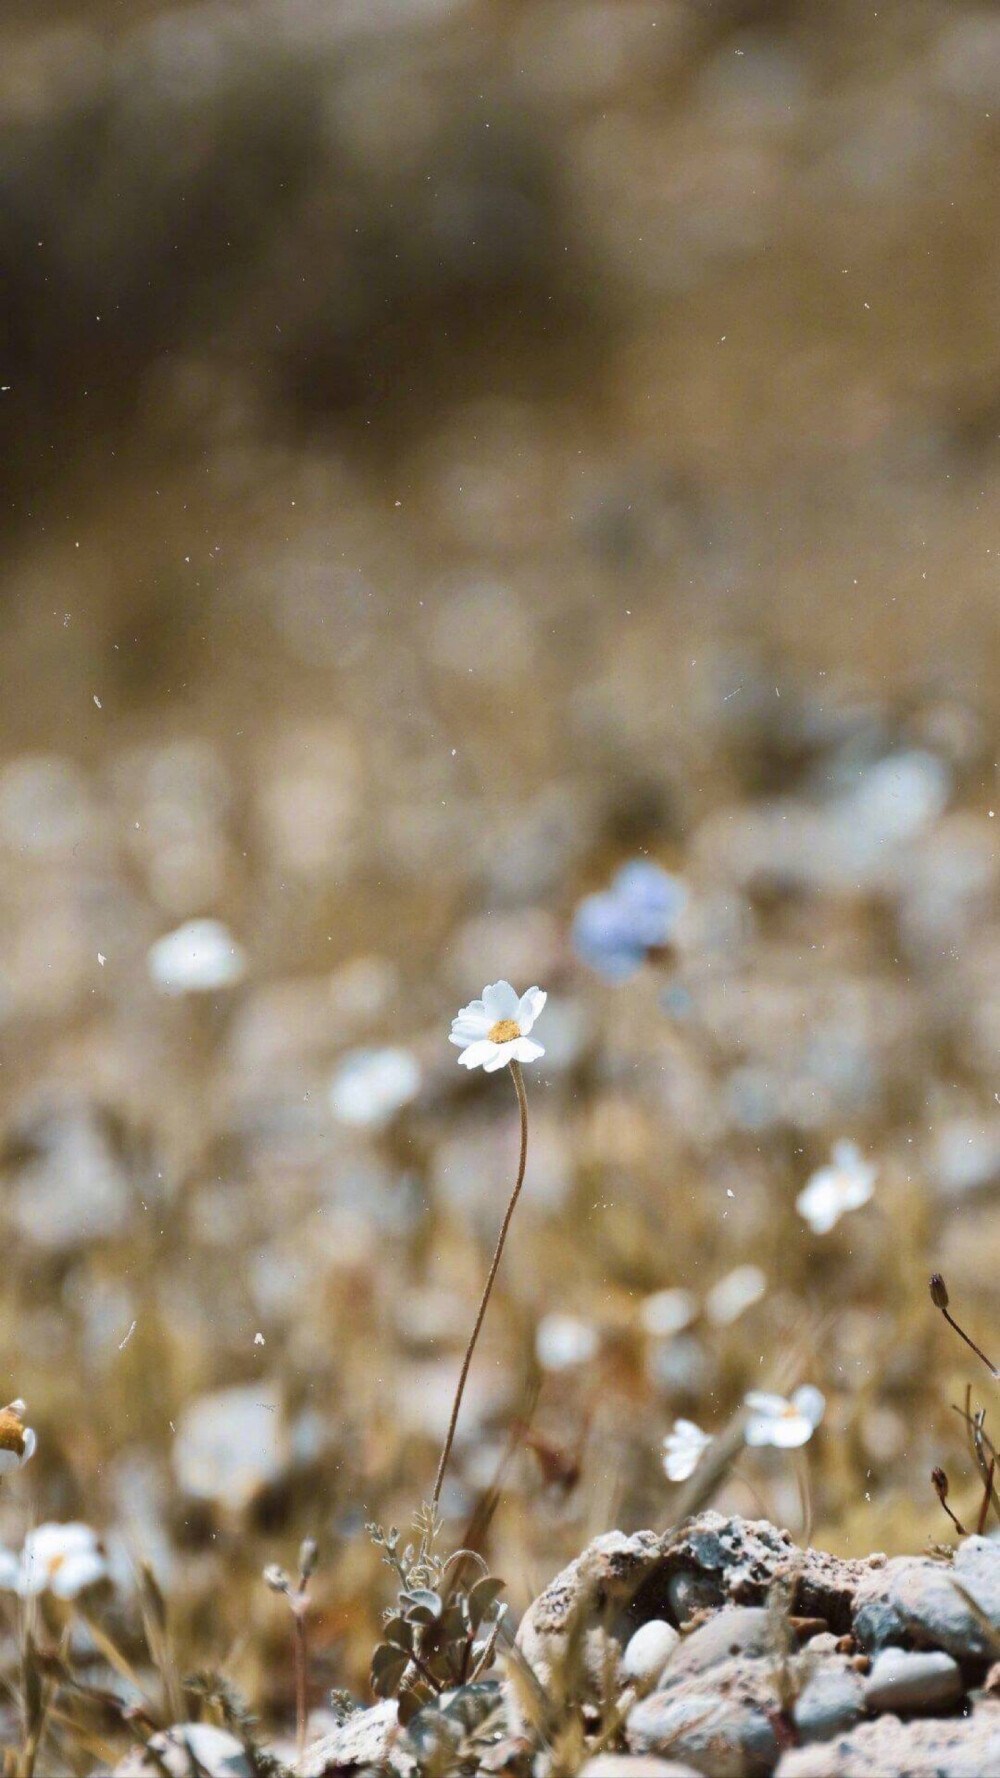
(454, 449)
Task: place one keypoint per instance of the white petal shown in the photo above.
(687, 1429)
(500, 1001)
(790, 1432)
(846, 1156)
(476, 1054)
(529, 1007)
(83, 1569)
(9, 1460)
(759, 1401)
(820, 1203)
(758, 1430)
(474, 1019)
(679, 1465)
(10, 1571)
(811, 1402)
(504, 1053)
(30, 1444)
(526, 1049)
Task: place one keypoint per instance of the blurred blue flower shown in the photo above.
(614, 931)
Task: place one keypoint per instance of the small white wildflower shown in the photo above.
(494, 1030)
(784, 1423)
(667, 1312)
(831, 1191)
(371, 1085)
(683, 1449)
(61, 1559)
(17, 1441)
(737, 1291)
(562, 1341)
(196, 958)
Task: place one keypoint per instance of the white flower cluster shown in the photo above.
(785, 1423)
(64, 1560)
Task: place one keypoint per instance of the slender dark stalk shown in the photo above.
(987, 1497)
(939, 1297)
(300, 1644)
(518, 1079)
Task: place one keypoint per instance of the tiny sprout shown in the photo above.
(939, 1482)
(939, 1297)
(276, 1578)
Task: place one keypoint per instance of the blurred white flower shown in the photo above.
(783, 1423)
(231, 1444)
(562, 1341)
(737, 1291)
(494, 1030)
(831, 1191)
(683, 1449)
(198, 957)
(17, 1441)
(667, 1312)
(193, 1747)
(60, 1559)
(371, 1085)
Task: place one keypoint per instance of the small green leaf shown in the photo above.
(388, 1666)
(482, 1598)
(398, 1631)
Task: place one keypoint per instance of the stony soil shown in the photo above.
(769, 1659)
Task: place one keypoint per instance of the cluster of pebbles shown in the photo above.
(735, 1654)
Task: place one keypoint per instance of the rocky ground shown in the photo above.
(721, 1648)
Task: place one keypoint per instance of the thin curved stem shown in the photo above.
(518, 1079)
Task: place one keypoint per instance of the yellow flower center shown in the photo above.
(504, 1031)
(11, 1432)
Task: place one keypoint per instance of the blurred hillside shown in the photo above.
(452, 446)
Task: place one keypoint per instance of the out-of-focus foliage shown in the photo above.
(454, 449)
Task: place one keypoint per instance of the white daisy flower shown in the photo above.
(60, 1559)
(494, 1030)
(683, 1449)
(783, 1423)
(844, 1185)
(17, 1441)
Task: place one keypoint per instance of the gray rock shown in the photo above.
(188, 1750)
(622, 1581)
(925, 1747)
(688, 1592)
(649, 1650)
(634, 1765)
(736, 1630)
(904, 1681)
(825, 1643)
(929, 1598)
(877, 1623)
(364, 1739)
(831, 1702)
(719, 1730)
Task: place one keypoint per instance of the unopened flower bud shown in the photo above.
(939, 1291)
(940, 1481)
(307, 1557)
(276, 1578)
